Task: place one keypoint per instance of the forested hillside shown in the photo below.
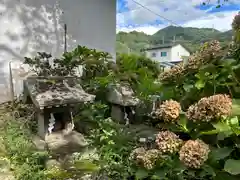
(191, 37)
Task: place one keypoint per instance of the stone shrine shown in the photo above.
(53, 98)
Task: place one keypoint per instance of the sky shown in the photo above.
(149, 16)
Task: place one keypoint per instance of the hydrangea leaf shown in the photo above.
(232, 166)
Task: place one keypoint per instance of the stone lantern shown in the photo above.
(123, 103)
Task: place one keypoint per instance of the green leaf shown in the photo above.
(224, 176)
(236, 130)
(207, 170)
(210, 132)
(160, 173)
(187, 87)
(234, 121)
(86, 166)
(179, 167)
(221, 136)
(236, 107)
(222, 127)
(183, 122)
(232, 166)
(141, 174)
(220, 153)
(200, 84)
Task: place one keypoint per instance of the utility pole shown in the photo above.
(174, 39)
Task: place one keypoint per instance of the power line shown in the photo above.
(134, 9)
(169, 20)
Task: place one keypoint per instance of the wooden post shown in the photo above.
(65, 38)
(11, 82)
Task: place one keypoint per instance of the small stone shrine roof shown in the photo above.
(123, 95)
(54, 91)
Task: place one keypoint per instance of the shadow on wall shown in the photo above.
(28, 26)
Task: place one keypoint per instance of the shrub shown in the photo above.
(27, 162)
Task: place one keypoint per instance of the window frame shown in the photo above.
(162, 55)
(153, 54)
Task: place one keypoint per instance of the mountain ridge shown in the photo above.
(189, 36)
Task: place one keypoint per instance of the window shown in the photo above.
(163, 54)
(154, 54)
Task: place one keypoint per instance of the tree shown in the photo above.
(219, 2)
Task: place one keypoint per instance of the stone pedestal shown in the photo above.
(62, 143)
(117, 113)
(41, 125)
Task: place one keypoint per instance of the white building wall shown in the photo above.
(28, 26)
(174, 54)
(177, 52)
(158, 54)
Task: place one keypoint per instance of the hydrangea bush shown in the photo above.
(195, 154)
(198, 118)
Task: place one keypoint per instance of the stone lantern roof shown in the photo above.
(54, 91)
(123, 95)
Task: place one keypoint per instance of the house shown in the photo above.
(29, 26)
(171, 53)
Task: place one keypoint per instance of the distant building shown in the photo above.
(170, 53)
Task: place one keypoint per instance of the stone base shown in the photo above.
(39, 143)
(61, 143)
(7, 176)
(117, 114)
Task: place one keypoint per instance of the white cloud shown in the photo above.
(173, 10)
(221, 21)
(170, 9)
(146, 29)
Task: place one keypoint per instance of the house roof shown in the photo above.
(55, 91)
(167, 64)
(161, 46)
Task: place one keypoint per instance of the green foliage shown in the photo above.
(131, 42)
(74, 169)
(140, 72)
(114, 145)
(112, 141)
(44, 65)
(219, 76)
(27, 162)
(220, 3)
